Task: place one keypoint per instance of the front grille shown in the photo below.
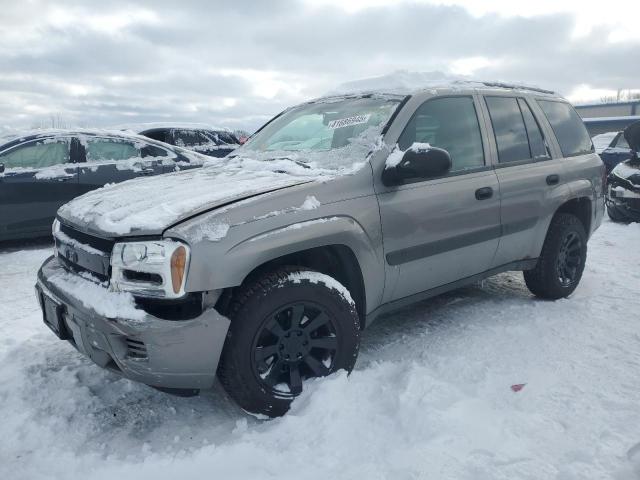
(81, 252)
(103, 244)
(136, 348)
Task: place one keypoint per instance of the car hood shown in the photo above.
(148, 206)
(628, 170)
(632, 136)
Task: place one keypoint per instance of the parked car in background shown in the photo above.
(264, 267)
(616, 151)
(623, 192)
(41, 170)
(201, 138)
(603, 140)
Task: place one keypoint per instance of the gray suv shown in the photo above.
(264, 267)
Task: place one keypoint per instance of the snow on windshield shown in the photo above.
(333, 134)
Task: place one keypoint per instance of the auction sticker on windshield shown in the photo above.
(347, 122)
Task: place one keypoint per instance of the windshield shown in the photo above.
(333, 133)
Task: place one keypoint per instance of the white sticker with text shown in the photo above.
(347, 122)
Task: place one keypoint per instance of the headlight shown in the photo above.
(151, 269)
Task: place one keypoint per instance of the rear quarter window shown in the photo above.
(568, 127)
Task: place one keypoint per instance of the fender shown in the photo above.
(252, 251)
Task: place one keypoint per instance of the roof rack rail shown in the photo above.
(515, 85)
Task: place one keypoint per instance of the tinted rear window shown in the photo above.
(568, 127)
(509, 129)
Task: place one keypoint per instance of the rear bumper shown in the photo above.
(181, 354)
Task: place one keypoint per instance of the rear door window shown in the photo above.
(536, 139)
(568, 127)
(450, 123)
(509, 129)
(189, 138)
(105, 149)
(39, 154)
(160, 135)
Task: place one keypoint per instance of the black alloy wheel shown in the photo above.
(296, 342)
(569, 259)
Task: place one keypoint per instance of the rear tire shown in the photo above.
(288, 325)
(561, 263)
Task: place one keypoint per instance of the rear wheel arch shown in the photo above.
(580, 207)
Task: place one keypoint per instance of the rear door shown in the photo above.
(441, 230)
(114, 160)
(527, 173)
(40, 176)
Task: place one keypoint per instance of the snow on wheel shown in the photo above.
(288, 326)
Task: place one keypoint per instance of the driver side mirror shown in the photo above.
(420, 161)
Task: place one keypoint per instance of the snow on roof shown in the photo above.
(46, 132)
(142, 127)
(406, 82)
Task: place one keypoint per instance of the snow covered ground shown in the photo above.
(430, 397)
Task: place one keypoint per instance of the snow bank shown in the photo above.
(430, 396)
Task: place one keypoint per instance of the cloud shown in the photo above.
(239, 62)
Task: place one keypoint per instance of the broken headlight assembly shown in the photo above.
(150, 268)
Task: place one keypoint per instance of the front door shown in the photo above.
(437, 231)
(39, 177)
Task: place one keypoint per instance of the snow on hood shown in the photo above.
(626, 170)
(147, 206)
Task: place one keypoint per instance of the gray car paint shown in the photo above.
(377, 221)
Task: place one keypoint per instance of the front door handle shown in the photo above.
(553, 179)
(484, 193)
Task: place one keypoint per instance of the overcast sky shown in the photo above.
(237, 63)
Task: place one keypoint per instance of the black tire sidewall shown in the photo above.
(566, 225)
(247, 321)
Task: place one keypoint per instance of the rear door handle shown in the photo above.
(484, 193)
(553, 179)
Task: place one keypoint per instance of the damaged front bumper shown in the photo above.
(169, 354)
(625, 202)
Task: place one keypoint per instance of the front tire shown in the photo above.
(287, 326)
(564, 254)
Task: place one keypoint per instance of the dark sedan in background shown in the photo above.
(201, 138)
(617, 151)
(42, 170)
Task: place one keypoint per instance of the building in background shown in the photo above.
(609, 117)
